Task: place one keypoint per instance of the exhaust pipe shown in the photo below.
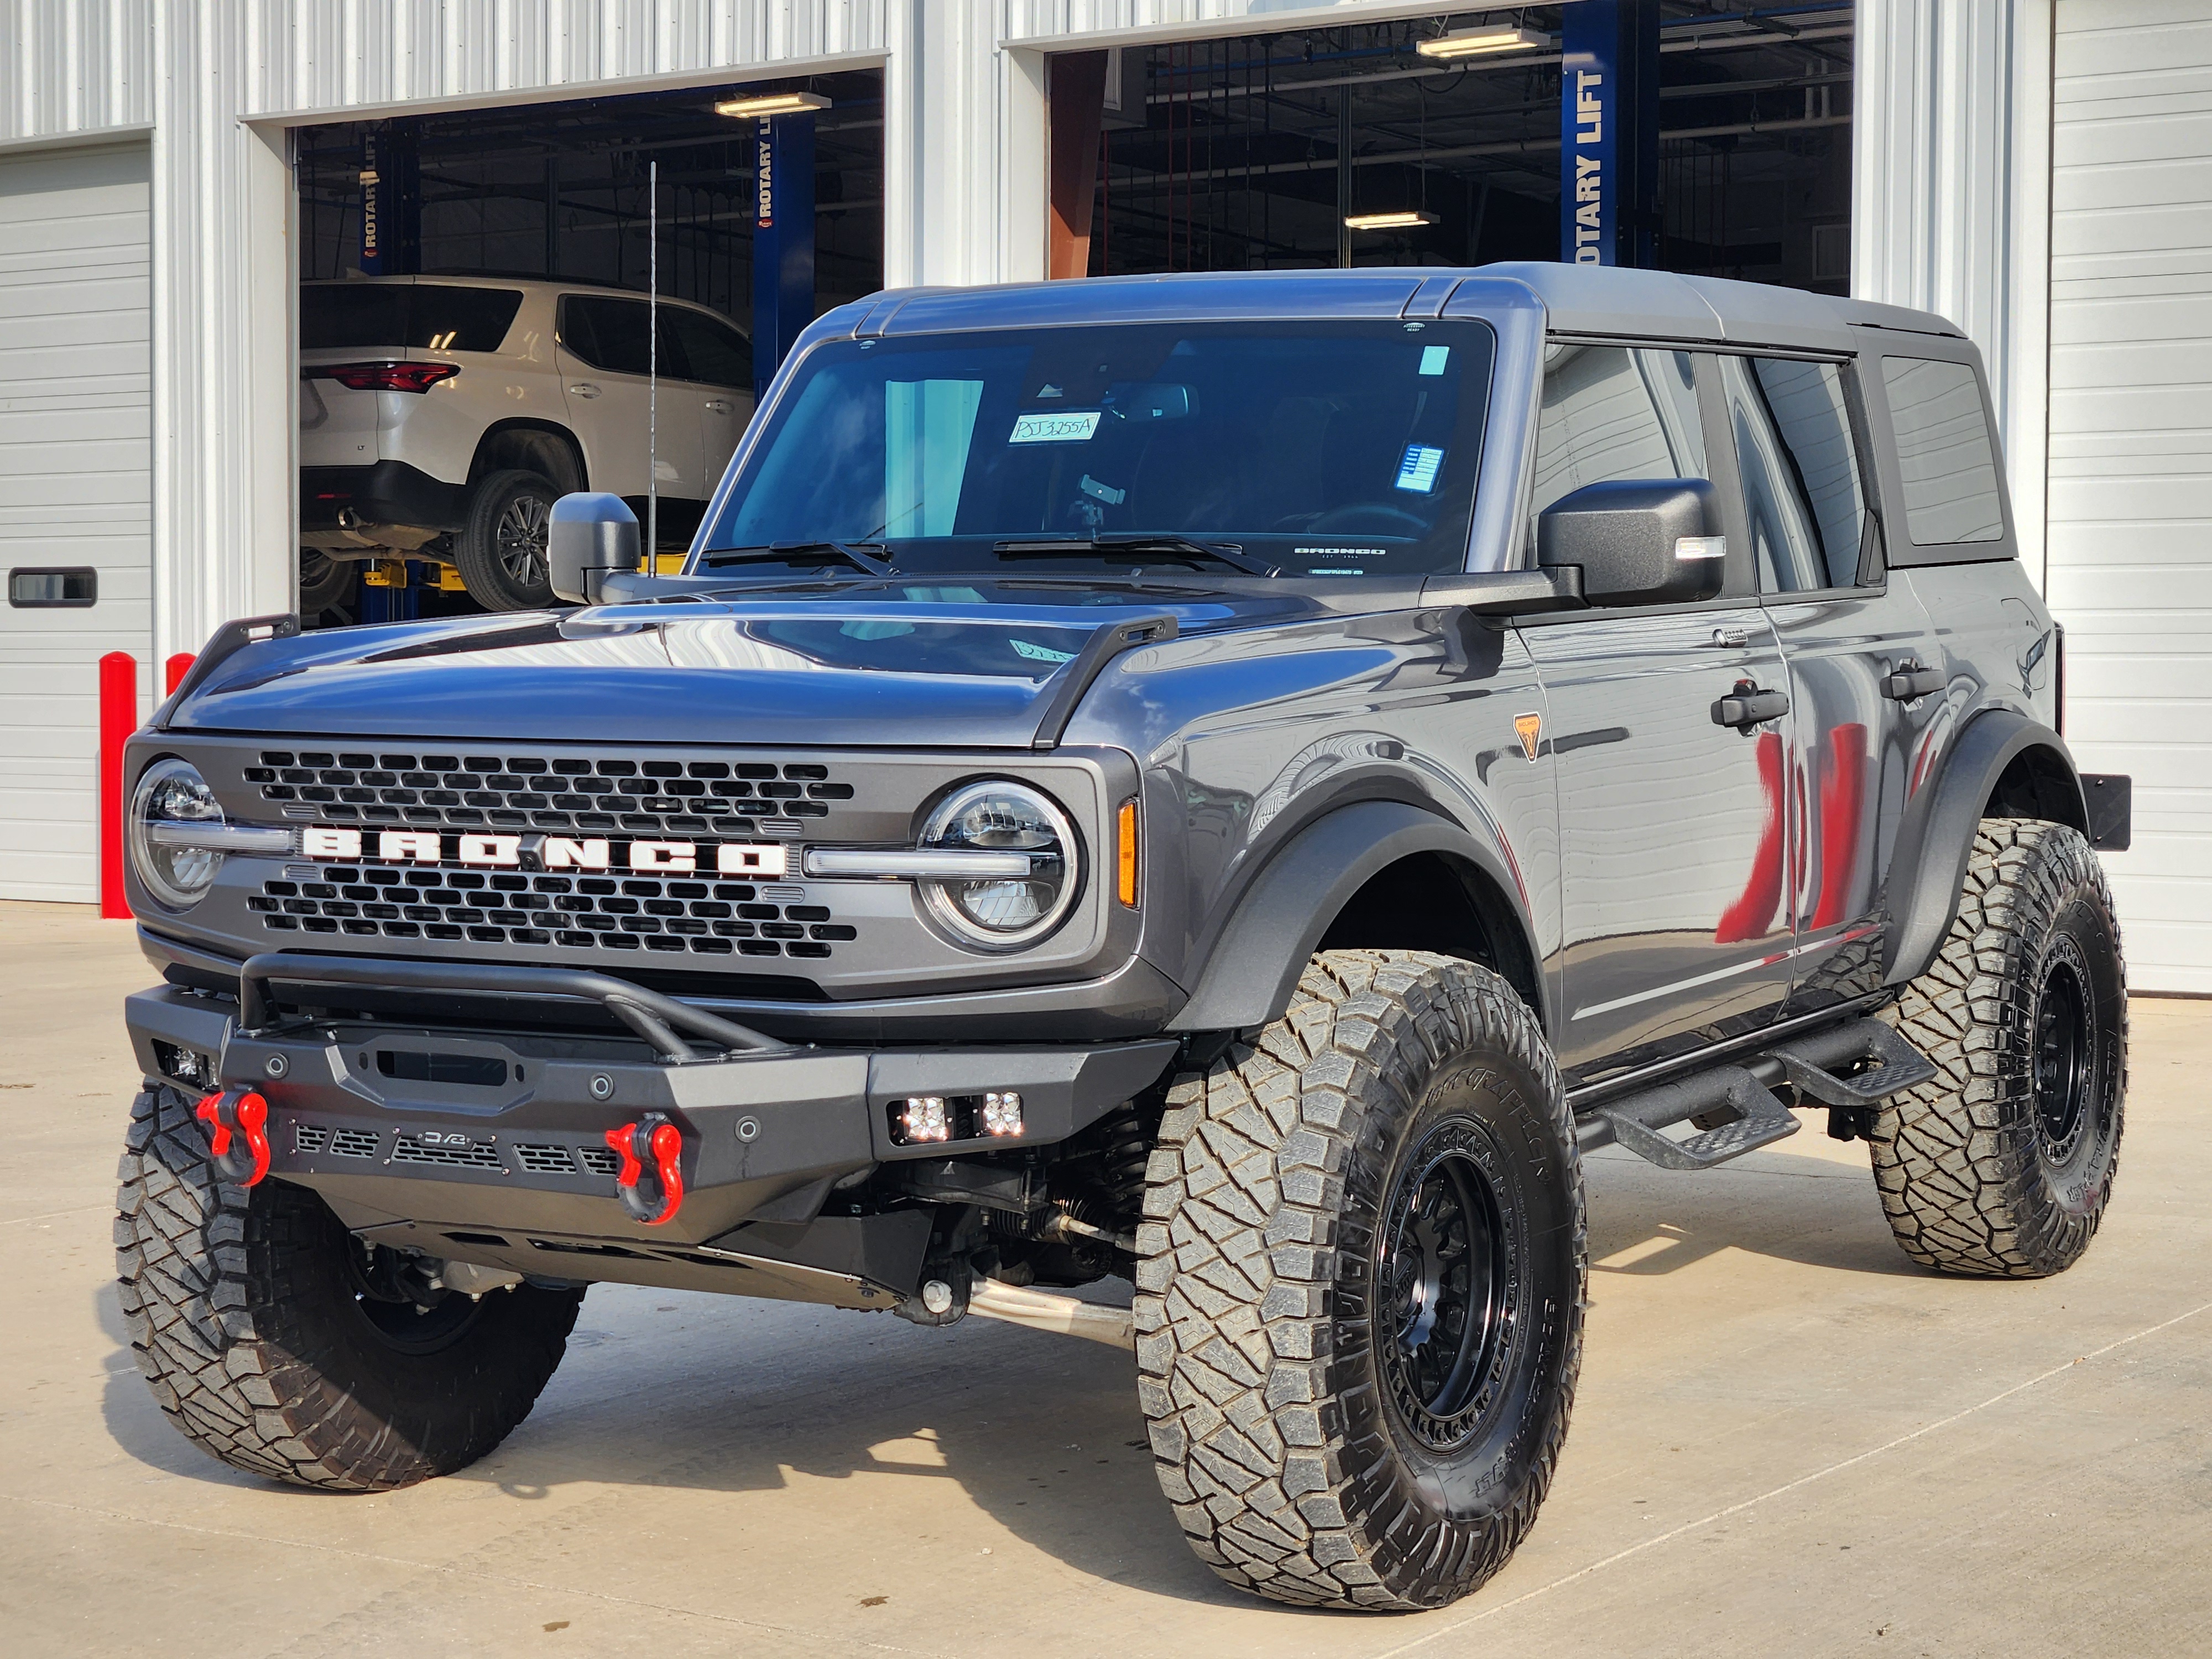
(1063, 1315)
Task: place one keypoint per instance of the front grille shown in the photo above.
(354, 1143)
(410, 1149)
(310, 1137)
(554, 794)
(598, 1160)
(613, 912)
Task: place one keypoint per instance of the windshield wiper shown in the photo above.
(796, 552)
(1181, 549)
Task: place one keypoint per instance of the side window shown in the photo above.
(1613, 412)
(1943, 450)
(607, 334)
(713, 351)
(1804, 495)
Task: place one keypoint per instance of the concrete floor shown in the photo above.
(1788, 1439)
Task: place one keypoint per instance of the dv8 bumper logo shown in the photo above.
(241, 1115)
(655, 1145)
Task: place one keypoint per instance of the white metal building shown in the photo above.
(2038, 170)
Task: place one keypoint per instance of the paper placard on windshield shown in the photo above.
(1433, 359)
(1057, 426)
(1418, 471)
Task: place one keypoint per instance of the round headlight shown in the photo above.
(172, 800)
(1002, 913)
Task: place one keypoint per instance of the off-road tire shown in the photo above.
(497, 573)
(244, 1318)
(1975, 1177)
(1277, 1436)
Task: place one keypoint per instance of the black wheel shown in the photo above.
(1360, 1293)
(278, 1343)
(500, 551)
(2001, 1165)
(325, 583)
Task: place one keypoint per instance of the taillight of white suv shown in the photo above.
(384, 377)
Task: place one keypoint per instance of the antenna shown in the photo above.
(653, 370)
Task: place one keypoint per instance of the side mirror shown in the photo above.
(591, 537)
(1638, 541)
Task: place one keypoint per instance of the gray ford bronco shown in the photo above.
(1232, 783)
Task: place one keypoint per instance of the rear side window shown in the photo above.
(1943, 450)
(713, 351)
(1611, 412)
(425, 317)
(1802, 492)
(611, 334)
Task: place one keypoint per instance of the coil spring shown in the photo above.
(1128, 1149)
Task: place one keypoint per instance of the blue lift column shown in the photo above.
(783, 238)
(391, 246)
(1609, 133)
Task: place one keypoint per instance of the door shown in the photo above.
(1865, 678)
(1672, 828)
(75, 476)
(606, 361)
(718, 363)
(2129, 565)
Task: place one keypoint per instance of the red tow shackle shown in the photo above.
(240, 1113)
(653, 1141)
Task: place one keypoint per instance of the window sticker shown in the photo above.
(1072, 425)
(1105, 492)
(1340, 552)
(1040, 653)
(1433, 359)
(1418, 471)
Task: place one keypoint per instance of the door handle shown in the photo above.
(1731, 638)
(585, 389)
(719, 405)
(1911, 681)
(1748, 706)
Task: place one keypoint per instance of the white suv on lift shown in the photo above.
(441, 417)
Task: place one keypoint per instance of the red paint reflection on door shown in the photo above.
(1753, 915)
(1842, 798)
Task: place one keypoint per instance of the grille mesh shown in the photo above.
(354, 1143)
(549, 793)
(545, 1160)
(407, 1149)
(613, 912)
(562, 794)
(310, 1137)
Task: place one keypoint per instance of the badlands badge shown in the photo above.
(1529, 727)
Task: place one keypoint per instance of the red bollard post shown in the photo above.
(179, 667)
(118, 719)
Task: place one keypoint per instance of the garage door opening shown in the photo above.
(1438, 141)
(477, 329)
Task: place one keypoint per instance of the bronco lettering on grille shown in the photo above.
(767, 859)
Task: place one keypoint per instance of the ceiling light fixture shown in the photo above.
(1401, 219)
(773, 103)
(1480, 43)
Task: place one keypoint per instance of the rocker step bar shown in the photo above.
(1852, 1066)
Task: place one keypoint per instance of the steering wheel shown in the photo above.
(1369, 518)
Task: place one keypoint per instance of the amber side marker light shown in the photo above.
(1125, 853)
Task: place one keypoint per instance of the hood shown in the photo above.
(859, 665)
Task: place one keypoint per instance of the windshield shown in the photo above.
(1315, 448)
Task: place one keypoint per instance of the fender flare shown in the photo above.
(1278, 922)
(1927, 866)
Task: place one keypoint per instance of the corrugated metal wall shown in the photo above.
(2130, 499)
(74, 67)
(1950, 194)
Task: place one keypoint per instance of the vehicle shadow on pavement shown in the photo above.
(1810, 1210)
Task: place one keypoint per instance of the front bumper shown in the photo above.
(491, 1146)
